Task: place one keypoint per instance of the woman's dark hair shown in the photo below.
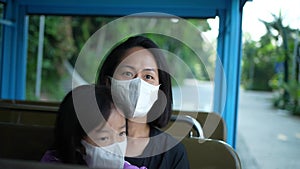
(115, 57)
(93, 105)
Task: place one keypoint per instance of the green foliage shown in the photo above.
(276, 81)
(293, 101)
(293, 89)
(31, 57)
(66, 36)
(58, 46)
(170, 44)
(260, 58)
(182, 53)
(258, 64)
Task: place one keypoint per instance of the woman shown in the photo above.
(140, 82)
(89, 130)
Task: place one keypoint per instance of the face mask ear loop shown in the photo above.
(81, 150)
(108, 80)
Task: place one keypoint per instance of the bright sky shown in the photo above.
(263, 9)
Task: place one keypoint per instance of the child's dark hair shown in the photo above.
(82, 109)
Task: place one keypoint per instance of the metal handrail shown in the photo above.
(192, 121)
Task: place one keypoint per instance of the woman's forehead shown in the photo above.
(140, 58)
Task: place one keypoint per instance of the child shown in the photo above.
(89, 130)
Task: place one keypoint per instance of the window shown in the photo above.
(79, 43)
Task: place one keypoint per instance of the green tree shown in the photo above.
(65, 37)
(287, 86)
(258, 63)
(58, 46)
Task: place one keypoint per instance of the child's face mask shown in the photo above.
(111, 156)
(135, 97)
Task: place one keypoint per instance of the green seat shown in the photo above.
(28, 112)
(213, 125)
(23, 164)
(30, 105)
(184, 126)
(26, 142)
(211, 154)
(27, 128)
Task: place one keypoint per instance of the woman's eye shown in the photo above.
(149, 77)
(128, 74)
(123, 133)
(103, 138)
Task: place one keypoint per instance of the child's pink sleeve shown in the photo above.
(127, 165)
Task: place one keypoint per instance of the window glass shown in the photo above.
(72, 46)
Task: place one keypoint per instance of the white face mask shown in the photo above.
(135, 97)
(111, 156)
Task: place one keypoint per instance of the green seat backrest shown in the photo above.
(26, 142)
(213, 125)
(25, 164)
(28, 112)
(211, 154)
(26, 128)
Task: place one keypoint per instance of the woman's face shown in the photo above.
(113, 131)
(138, 62)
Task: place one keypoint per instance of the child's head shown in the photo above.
(114, 130)
(87, 113)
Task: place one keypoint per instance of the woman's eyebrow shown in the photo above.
(144, 70)
(124, 126)
(150, 69)
(102, 131)
(128, 66)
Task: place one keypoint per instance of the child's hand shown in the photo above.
(127, 165)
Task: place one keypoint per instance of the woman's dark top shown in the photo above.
(172, 154)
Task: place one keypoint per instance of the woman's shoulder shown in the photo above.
(50, 156)
(166, 140)
(171, 150)
(156, 132)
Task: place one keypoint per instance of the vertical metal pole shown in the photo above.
(40, 57)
